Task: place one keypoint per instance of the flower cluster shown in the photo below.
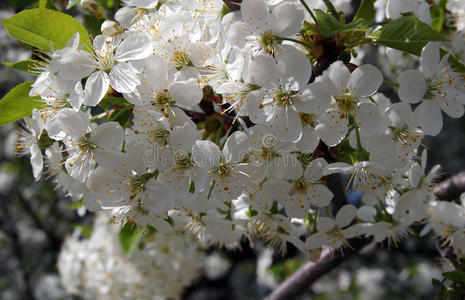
(97, 267)
(192, 119)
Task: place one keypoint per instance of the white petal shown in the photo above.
(313, 100)
(160, 224)
(452, 108)
(158, 197)
(206, 154)
(74, 65)
(316, 241)
(108, 135)
(253, 103)
(320, 195)
(325, 224)
(338, 75)
(314, 170)
(286, 124)
(412, 86)
(345, 215)
(309, 140)
(430, 58)
(236, 147)
(365, 81)
(37, 162)
(287, 19)
(371, 119)
(96, 88)
(367, 213)
(339, 167)
(136, 46)
(415, 175)
(183, 137)
(430, 117)
(295, 70)
(331, 128)
(256, 13)
(187, 93)
(124, 78)
(264, 71)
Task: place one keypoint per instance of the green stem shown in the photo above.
(295, 41)
(391, 83)
(309, 10)
(331, 8)
(98, 117)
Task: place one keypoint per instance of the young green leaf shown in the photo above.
(332, 10)
(129, 237)
(366, 10)
(17, 104)
(330, 26)
(42, 28)
(407, 34)
(327, 24)
(23, 65)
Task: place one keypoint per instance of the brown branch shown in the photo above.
(450, 189)
(233, 4)
(304, 277)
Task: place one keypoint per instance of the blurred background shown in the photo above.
(36, 220)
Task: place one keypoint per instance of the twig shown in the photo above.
(233, 4)
(450, 189)
(304, 277)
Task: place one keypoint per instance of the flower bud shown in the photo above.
(110, 28)
(93, 7)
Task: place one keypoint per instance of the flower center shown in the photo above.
(85, 145)
(223, 170)
(182, 59)
(268, 42)
(346, 104)
(283, 98)
(307, 119)
(300, 186)
(184, 162)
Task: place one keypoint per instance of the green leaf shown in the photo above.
(129, 237)
(437, 14)
(366, 10)
(17, 104)
(93, 24)
(23, 65)
(407, 34)
(41, 27)
(330, 26)
(46, 4)
(455, 64)
(331, 8)
(327, 23)
(455, 276)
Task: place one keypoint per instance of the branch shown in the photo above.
(304, 277)
(233, 5)
(450, 189)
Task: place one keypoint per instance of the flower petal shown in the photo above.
(287, 19)
(124, 78)
(412, 86)
(365, 81)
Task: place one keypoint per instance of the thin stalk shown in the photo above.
(309, 10)
(295, 41)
